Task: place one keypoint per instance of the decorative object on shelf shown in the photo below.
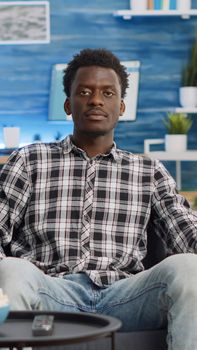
(4, 306)
(184, 5)
(37, 138)
(194, 203)
(58, 136)
(188, 89)
(188, 96)
(138, 5)
(11, 136)
(177, 125)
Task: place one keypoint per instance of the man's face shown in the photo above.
(95, 101)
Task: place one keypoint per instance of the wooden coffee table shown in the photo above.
(69, 328)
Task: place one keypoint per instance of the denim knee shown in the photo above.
(185, 263)
(15, 269)
(180, 299)
(180, 273)
(17, 279)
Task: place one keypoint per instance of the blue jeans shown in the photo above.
(163, 295)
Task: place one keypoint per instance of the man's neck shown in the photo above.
(94, 145)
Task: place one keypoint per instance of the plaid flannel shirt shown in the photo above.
(67, 213)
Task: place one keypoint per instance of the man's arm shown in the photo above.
(174, 220)
(14, 194)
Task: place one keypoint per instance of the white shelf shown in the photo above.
(189, 155)
(177, 157)
(184, 156)
(192, 110)
(128, 14)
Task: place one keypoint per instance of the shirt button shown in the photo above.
(86, 218)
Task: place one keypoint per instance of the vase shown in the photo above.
(175, 143)
(11, 137)
(188, 96)
(184, 5)
(138, 5)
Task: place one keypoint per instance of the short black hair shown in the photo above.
(95, 57)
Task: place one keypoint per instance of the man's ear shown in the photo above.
(122, 107)
(67, 106)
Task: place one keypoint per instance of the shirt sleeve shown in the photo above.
(14, 195)
(174, 220)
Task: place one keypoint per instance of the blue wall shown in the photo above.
(161, 44)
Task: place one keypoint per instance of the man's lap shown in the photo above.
(139, 301)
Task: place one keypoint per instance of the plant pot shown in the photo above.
(11, 137)
(184, 5)
(138, 5)
(175, 143)
(188, 96)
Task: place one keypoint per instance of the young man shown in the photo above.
(75, 214)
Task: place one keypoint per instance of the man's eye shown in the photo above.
(108, 93)
(84, 93)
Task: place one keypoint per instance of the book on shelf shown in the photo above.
(166, 5)
(172, 4)
(162, 4)
(151, 4)
(158, 4)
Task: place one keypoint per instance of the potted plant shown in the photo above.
(194, 203)
(188, 89)
(177, 125)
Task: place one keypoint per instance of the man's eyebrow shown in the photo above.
(106, 86)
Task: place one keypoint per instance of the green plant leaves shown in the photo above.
(177, 123)
(189, 73)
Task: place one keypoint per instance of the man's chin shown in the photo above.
(99, 130)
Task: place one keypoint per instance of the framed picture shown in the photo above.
(57, 95)
(23, 22)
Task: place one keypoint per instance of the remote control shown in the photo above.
(42, 325)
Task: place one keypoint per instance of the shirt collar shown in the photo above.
(69, 146)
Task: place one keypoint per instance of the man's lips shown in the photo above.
(96, 114)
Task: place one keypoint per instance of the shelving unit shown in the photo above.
(177, 157)
(189, 155)
(128, 14)
(188, 110)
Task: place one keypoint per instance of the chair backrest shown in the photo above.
(7, 250)
(156, 250)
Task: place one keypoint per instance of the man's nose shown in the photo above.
(96, 98)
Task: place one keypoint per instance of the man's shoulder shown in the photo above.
(129, 157)
(40, 150)
(40, 147)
